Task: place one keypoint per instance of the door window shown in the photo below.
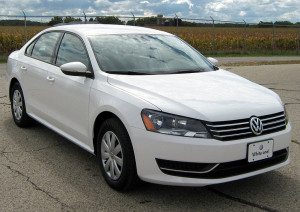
(45, 46)
(71, 50)
(29, 49)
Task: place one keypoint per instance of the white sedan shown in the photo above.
(148, 105)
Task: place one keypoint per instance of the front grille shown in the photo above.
(239, 129)
(222, 170)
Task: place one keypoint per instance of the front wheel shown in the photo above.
(18, 108)
(115, 155)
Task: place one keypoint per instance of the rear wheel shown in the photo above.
(18, 108)
(115, 155)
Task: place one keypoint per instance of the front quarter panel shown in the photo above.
(107, 98)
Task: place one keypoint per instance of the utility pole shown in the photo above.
(133, 18)
(25, 26)
(177, 24)
(213, 34)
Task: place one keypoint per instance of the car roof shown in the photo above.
(105, 29)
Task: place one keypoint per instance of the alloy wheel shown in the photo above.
(112, 156)
(17, 104)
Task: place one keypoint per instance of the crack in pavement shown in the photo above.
(296, 142)
(36, 187)
(34, 150)
(3, 103)
(292, 103)
(2, 97)
(282, 89)
(291, 98)
(236, 199)
(2, 152)
(271, 83)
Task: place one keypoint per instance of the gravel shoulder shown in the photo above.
(225, 60)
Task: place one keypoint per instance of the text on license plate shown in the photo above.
(260, 150)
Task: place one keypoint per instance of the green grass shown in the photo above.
(251, 54)
(3, 58)
(260, 63)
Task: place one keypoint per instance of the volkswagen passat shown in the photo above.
(148, 105)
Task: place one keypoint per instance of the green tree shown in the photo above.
(143, 21)
(69, 19)
(55, 20)
(283, 23)
(262, 24)
(91, 20)
(108, 20)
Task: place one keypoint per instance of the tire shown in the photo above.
(18, 108)
(115, 156)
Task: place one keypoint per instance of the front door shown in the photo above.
(69, 95)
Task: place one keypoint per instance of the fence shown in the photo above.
(209, 36)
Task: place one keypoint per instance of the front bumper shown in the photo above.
(149, 147)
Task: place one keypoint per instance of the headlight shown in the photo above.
(173, 125)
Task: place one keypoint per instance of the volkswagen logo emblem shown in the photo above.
(256, 125)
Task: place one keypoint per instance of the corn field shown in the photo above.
(226, 40)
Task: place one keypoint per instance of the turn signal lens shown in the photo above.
(148, 123)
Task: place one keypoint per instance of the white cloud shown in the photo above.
(236, 10)
(243, 13)
(216, 6)
(188, 2)
(290, 15)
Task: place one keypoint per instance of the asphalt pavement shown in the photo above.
(42, 171)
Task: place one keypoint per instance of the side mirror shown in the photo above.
(75, 69)
(213, 61)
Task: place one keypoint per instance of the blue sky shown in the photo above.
(234, 10)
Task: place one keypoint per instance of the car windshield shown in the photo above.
(147, 54)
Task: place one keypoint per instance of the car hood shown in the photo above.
(211, 96)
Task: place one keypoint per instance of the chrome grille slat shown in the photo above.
(231, 135)
(229, 130)
(272, 128)
(228, 125)
(274, 122)
(275, 117)
(240, 129)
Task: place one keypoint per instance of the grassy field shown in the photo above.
(231, 40)
(227, 40)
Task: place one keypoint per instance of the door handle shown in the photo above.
(23, 68)
(50, 79)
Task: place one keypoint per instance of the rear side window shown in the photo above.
(29, 49)
(71, 50)
(45, 46)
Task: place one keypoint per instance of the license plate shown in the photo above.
(260, 150)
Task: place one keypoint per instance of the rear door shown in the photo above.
(69, 95)
(34, 66)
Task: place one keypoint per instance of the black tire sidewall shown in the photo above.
(25, 120)
(129, 168)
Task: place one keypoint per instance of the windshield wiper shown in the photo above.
(128, 72)
(187, 71)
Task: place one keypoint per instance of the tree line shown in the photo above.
(142, 22)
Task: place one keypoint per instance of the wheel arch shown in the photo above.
(98, 122)
(12, 82)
